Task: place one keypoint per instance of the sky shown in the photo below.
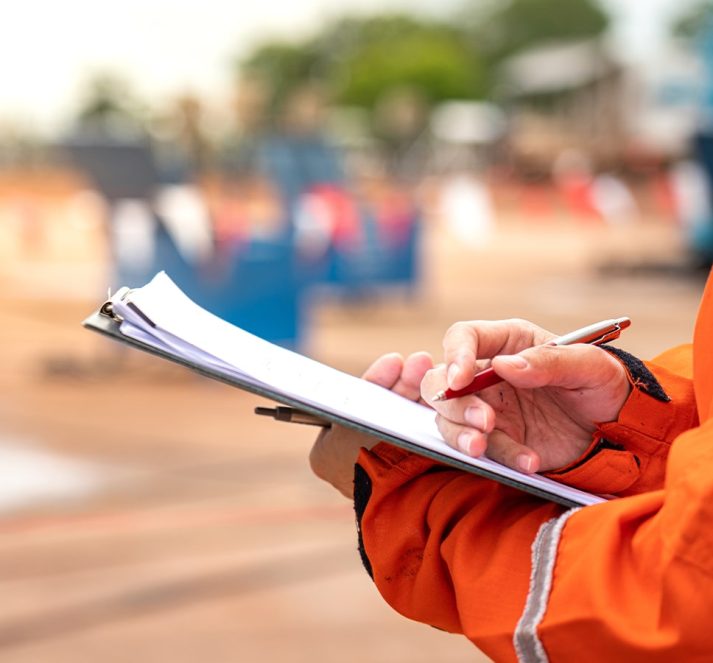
(166, 47)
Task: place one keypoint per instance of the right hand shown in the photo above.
(543, 415)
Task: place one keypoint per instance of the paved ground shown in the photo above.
(170, 524)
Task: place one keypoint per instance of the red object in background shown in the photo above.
(230, 222)
(343, 214)
(395, 215)
(577, 193)
(663, 196)
(536, 202)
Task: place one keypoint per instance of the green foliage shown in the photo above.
(504, 28)
(395, 51)
(694, 21)
(284, 65)
(359, 60)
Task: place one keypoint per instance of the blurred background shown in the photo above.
(344, 179)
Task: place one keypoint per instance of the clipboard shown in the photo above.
(106, 322)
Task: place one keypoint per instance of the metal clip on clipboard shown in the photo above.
(107, 308)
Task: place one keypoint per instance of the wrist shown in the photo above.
(628, 454)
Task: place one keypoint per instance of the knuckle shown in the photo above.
(525, 329)
(488, 419)
(460, 330)
(546, 355)
(458, 327)
(522, 325)
(443, 426)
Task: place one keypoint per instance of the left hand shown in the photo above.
(336, 449)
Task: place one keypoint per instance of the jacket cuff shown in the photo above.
(604, 468)
(628, 456)
(391, 467)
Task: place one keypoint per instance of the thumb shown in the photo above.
(578, 366)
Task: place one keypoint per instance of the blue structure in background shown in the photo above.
(262, 284)
(701, 233)
(373, 262)
(256, 286)
(301, 164)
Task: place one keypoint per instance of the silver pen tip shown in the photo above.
(441, 395)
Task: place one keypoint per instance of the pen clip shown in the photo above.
(609, 335)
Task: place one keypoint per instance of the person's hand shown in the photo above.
(543, 416)
(336, 449)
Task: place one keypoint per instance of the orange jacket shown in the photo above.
(526, 580)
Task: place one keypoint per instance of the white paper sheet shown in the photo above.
(161, 315)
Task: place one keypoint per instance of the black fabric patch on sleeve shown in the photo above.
(600, 446)
(641, 376)
(362, 493)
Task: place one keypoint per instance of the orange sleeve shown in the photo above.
(627, 580)
(445, 547)
(633, 578)
(677, 360)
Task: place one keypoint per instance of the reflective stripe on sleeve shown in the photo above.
(528, 647)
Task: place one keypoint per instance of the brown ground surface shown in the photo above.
(208, 538)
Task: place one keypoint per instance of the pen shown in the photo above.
(596, 334)
(292, 415)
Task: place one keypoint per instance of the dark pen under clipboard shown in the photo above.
(292, 415)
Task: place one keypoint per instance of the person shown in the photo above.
(630, 579)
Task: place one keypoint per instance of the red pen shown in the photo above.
(596, 334)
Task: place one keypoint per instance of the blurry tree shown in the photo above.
(283, 67)
(691, 23)
(375, 55)
(359, 60)
(503, 28)
(108, 103)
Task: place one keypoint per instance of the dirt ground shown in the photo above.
(191, 530)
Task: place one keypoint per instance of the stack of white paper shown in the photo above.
(160, 315)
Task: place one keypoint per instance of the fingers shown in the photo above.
(335, 451)
(434, 381)
(385, 371)
(510, 453)
(466, 342)
(415, 368)
(401, 376)
(460, 349)
(469, 425)
(496, 445)
(470, 441)
(578, 366)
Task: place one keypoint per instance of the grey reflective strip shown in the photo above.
(528, 647)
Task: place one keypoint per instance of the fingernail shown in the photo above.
(525, 462)
(464, 441)
(453, 371)
(475, 417)
(516, 361)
